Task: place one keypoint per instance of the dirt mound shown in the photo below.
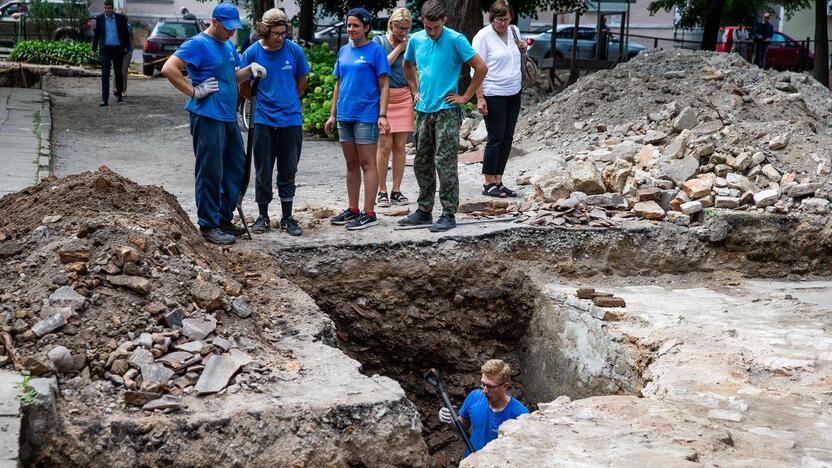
(108, 285)
(677, 126)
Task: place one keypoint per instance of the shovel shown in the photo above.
(434, 378)
(249, 145)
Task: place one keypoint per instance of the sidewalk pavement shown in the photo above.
(25, 125)
(9, 418)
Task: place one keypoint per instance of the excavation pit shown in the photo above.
(403, 314)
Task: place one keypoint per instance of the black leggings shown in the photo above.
(500, 121)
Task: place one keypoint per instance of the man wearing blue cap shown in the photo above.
(213, 66)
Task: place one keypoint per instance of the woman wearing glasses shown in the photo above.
(399, 109)
(278, 131)
(498, 99)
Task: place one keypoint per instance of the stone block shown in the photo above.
(677, 217)
(649, 210)
(691, 207)
(697, 188)
(727, 202)
(585, 177)
(766, 198)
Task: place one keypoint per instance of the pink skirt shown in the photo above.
(400, 110)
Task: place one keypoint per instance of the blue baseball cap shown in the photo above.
(360, 13)
(228, 15)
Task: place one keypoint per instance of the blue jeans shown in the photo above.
(359, 132)
(219, 168)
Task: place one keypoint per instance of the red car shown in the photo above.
(783, 52)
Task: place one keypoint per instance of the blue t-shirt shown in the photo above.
(278, 104)
(358, 69)
(484, 421)
(439, 64)
(207, 57)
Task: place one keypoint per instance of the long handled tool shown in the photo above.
(504, 219)
(249, 145)
(434, 378)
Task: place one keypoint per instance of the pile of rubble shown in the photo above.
(672, 133)
(107, 285)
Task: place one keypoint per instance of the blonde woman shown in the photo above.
(399, 109)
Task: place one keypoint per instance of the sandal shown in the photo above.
(509, 192)
(492, 190)
(398, 198)
(383, 200)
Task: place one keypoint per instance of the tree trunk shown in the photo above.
(710, 30)
(258, 7)
(307, 25)
(574, 73)
(821, 70)
(465, 17)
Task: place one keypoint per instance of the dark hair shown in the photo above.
(361, 15)
(499, 8)
(434, 10)
(108, 2)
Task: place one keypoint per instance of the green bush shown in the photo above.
(52, 52)
(317, 103)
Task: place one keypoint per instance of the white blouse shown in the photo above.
(504, 76)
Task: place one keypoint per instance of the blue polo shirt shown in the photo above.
(278, 104)
(110, 31)
(207, 57)
(439, 64)
(484, 421)
(358, 69)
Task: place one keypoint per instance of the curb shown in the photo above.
(45, 165)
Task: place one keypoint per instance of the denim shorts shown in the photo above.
(359, 132)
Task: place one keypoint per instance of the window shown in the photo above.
(181, 30)
(781, 40)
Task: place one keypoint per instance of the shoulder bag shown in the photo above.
(527, 66)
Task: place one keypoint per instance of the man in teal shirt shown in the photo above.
(438, 53)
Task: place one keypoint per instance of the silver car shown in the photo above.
(540, 45)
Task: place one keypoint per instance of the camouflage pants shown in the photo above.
(437, 142)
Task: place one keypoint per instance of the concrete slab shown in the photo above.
(17, 137)
(736, 377)
(9, 418)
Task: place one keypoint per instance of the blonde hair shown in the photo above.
(271, 18)
(497, 368)
(399, 15)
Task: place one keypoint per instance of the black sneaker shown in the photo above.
(217, 236)
(444, 223)
(291, 226)
(343, 218)
(230, 228)
(102, 104)
(363, 221)
(416, 218)
(260, 225)
(120, 99)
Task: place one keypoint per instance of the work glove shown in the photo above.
(257, 70)
(205, 88)
(445, 415)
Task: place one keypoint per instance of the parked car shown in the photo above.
(783, 53)
(334, 34)
(166, 37)
(67, 21)
(329, 34)
(540, 45)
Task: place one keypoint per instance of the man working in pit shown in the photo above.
(487, 407)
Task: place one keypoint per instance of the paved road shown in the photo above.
(24, 130)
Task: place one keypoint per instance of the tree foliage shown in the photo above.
(711, 14)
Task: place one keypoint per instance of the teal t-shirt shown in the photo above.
(207, 57)
(439, 64)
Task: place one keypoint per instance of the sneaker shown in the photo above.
(416, 218)
(230, 228)
(291, 226)
(343, 218)
(102, 104)
(217, 236)
(119, 99)
(260, 225)
(363, 221)
(444, 223)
